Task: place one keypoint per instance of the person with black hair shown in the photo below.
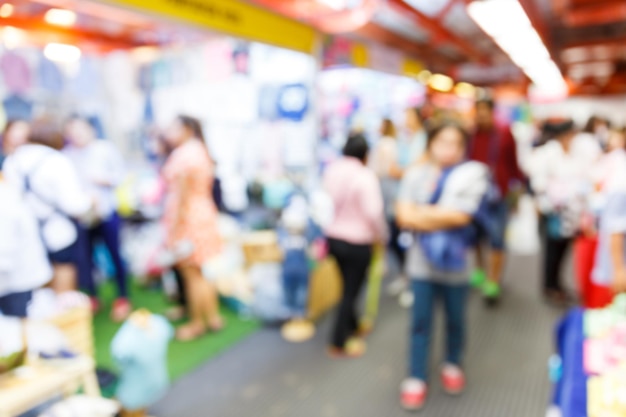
(438, 201)
(494, 146)
(598, 128)
(358, 224)
(15, 135)
(560, 176)
(101, 168)
(53, 191)
(191, 221)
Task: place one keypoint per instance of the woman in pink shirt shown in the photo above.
(359, 222)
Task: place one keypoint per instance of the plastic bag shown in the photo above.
(83, 406)
(523, 230)
(269, 295)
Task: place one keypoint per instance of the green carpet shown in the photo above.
(183, 357)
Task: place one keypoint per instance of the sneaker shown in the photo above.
(413, 394)
(478, 278)
(121, 310)
(452, 379)
(397, 286)
(407, 299)
(491, 292)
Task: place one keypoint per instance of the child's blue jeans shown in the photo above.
(454, 298)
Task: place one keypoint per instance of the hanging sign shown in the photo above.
(233, 17)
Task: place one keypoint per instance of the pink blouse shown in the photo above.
(358, 203)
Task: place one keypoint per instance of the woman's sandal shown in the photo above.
(216, 325)
(190, 332)
(354, 348)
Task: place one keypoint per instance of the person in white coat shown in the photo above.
(51, 188)
(24, 265)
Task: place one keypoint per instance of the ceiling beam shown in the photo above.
(71, 35)
(596, 14)
(611, 34)
(446, 9)
(432, 59)
(438, 30)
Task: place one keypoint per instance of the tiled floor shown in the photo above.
(266, 377)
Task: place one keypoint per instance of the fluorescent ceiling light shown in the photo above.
(465, 90)
(509, 26)
(61, 17)
(497, 17)
(13, 37)
(424, 76)
(334, 4)
(441, 83)
(60, 52)
(6, 10)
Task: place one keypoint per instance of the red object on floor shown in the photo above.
(592, 295)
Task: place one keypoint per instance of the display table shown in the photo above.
(44, 382)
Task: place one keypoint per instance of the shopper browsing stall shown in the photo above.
(410, 150)
(358, 223)
(191, 218)
(53, 191)
(610, 265)
(494, 146)
(559, 172)
(101, 169)
(438, 201)
(24, 265)
(385, 162)
(15, 135)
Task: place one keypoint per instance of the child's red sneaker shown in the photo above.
(413, 396)
(453, 379)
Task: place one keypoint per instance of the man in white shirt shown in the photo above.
(24, 264)
(101, 170)
(51, 189)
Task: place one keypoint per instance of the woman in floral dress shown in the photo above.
(191, 218)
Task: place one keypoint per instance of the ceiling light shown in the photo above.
(13, 37)
(499, 17)
(334, 4)
(60, 52)
(6, 10)
(509, 26)
(441, 83)
(465, 90)
(424, 76)
(61, 17)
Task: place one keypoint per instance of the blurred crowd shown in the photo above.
(431, 192)
(58, 191)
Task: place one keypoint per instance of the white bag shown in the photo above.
(523, 230)
(83, 406)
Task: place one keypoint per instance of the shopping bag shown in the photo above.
(374, 284)
(325, 288)
(523, 230)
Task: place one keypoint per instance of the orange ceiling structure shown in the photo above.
(586, 38)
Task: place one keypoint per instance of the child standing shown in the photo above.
(438, 201)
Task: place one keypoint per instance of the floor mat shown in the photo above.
(183, 357)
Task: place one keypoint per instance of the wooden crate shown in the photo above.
(77, 326)
(261, 247)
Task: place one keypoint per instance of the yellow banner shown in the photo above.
(233, 17)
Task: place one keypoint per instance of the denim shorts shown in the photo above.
(15, 304)
(494, 229)
(69, 255)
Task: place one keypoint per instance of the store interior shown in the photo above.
(278, 86)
